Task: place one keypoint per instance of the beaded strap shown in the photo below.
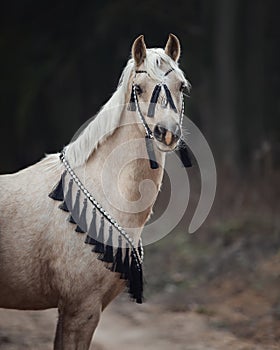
(148, 131)
(138, 256)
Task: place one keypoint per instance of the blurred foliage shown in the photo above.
(60, 61)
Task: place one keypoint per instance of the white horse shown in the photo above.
(44, 263)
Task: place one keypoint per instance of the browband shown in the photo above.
(144, 71)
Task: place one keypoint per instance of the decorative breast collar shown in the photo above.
(119, 252)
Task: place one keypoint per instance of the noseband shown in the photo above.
(134, 106)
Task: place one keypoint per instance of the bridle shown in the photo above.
(134, 106)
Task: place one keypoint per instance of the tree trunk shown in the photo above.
(224, 55)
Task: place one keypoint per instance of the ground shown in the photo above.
(228, 313)
(125, 324)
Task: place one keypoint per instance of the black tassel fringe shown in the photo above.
(68, 196)
(99, 248)
(169, 98)
(109, 253)
(82, 227)
(136, 281)
(92, 233)
(183, 154)
(153, 102)
(151, 153)
(118, 263)
(76, 210)
(120, 260)
(126, 264)
(63, 206)
(66, 205)
(57, 193)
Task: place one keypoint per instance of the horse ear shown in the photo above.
(139, 50)
(172, 48)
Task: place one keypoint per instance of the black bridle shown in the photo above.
(154, 98)
(134, 106)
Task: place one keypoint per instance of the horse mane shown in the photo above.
(107, 119)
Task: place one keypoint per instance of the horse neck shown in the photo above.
(118, 174)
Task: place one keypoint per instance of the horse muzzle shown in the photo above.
(168, 136)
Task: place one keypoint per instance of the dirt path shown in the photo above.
(124, 325)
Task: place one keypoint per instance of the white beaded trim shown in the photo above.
(146, 127)
(135, 252)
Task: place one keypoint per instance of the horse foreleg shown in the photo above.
(75, 329)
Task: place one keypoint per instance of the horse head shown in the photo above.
(157, 87)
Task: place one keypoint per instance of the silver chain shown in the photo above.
(182, 110)
(146, 127)
(139, 257)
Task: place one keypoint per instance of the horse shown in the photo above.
(44, 261)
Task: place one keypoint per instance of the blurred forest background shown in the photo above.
(60, 61)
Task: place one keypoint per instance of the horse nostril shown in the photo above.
(167, 136)
(159, 132)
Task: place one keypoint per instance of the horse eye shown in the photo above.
(138, 89)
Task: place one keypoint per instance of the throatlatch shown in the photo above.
(118, 252)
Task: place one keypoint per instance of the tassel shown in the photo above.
(68, 197)
(132, 105)
(153, 102)
(57, 192)
(169, 98)
(126, 266)
(92, 233)
(70, 219)
(82, 226)
(99, 248)
(109, 255)
(63, 206)
(76, 210)
(118, 263)
(67, 203)
(183, 154)
(136, 281)
(151, 153)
